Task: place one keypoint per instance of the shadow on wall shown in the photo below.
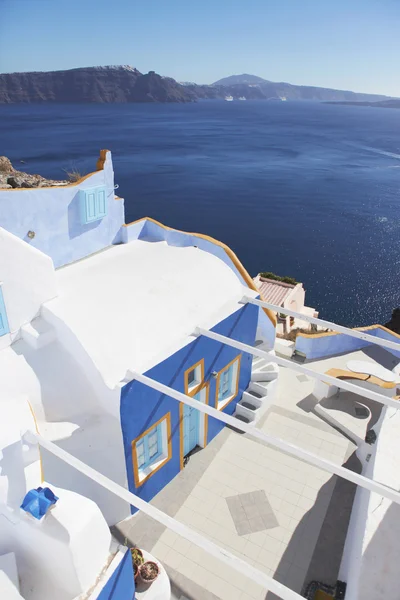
(381, 558)
(75, 225)
(12, 466)
(314, 552)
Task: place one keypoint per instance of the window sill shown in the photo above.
(194, 388)
(221, 405)
(144, 474)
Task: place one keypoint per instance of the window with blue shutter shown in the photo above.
(149, 447)
(4, 328)
(225, 384)
(93, 204)
(228, 383)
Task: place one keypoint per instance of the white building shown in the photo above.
(115, 370)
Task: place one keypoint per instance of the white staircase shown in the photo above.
(38, 333)
(259, 396)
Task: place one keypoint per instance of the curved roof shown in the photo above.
(134, 304)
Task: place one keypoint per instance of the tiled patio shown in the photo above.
(296, 514)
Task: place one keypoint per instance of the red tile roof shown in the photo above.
(273, 291)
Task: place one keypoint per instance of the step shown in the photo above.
(246, 404)
(266, 372)
(251, 399)
(255, 394)
(257, 387)
(242, 411)
(257, 360)
(38, 333)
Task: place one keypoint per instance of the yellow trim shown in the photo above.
(343, 374)
(37, 431)
(327, 333)
(194, 391)
(205, 415)
(250, 283)
(99, 167)
(181, 405)
(200, 388)
(139, 482)
(238, 358)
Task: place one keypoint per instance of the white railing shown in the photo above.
(259, 435)
(339, 383)
(184, 531)
(361, 335)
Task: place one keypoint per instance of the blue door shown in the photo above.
(4, 328)
(191, 426)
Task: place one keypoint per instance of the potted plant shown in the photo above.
(149, 571)
(137, 560)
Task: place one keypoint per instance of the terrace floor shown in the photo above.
(293, 528)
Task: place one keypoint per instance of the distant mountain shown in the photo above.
(91, 84)
(127, 84)
(240, 79)
(244, 85)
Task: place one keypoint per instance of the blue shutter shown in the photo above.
(149, 448)
(101, 204)
(4, 328)
(225, 384)
(93, 203)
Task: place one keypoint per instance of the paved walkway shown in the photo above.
(274, 511)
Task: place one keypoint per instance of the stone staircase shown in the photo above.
(260, 394)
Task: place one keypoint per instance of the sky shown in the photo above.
(345, 44)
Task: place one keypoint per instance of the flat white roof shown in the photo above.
(134, 304)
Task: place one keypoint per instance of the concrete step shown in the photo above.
(243, 411)
(38, 333)
(259, 388)
(265, 372)
(249, 398)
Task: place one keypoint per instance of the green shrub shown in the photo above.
(269, 275)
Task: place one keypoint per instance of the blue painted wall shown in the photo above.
(54, 215)
(142, 406)
(121, 585)
(152, 232)
(329, 345)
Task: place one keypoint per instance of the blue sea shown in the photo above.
(302, 189)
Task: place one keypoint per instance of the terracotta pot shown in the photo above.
(144, 567)
(135, 571)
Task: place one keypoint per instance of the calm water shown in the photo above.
(307, 190)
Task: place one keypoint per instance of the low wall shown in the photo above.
(54, 215)
(120, 584)
(371, 554)
(27, 280)
(323, 345)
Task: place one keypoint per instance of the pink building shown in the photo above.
(286, 295)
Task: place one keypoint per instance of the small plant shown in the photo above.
(149, 572)
(137, 557)
(73, 174)
(270, 275)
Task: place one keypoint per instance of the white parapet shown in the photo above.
(284, 347)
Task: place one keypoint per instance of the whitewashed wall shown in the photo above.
(54, 214)
(28, 280)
